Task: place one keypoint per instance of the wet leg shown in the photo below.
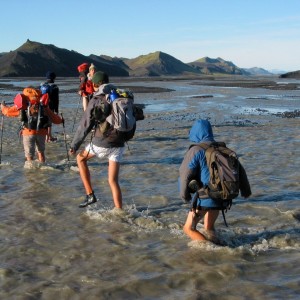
(84, 171)
(113, 180)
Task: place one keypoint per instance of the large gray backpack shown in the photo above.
(122, 116)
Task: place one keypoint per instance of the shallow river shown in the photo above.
(51, 249)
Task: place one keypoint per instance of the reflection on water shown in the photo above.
(52, 249)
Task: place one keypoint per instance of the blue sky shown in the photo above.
(256, 33)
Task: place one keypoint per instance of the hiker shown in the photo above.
(85, 86)
(194, 170)
(35, 114)
(52, 89)
(106, 142)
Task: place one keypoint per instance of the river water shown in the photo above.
(51, 249)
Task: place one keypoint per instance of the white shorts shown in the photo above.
(114, 154)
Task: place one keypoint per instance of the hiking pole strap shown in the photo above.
(223, 213)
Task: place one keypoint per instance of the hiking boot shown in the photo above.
(90, 199)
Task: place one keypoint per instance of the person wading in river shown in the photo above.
(106, 141)
(33, 109)
(194, 168)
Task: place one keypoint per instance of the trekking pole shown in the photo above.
(65, 138)
(2, 122)
(76, 113)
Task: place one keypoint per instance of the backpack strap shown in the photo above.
(205, 146)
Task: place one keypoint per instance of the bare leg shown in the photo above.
(41, 156)
(84, 103)
(84, 171)
(210, 219)
(189, 227)
(50, 138)
(113, 180)
(209, 222)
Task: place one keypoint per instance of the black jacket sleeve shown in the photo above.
(86, 124)
(186, 174)
(54, 98)
(244, 183)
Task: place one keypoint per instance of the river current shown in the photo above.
(51, 249)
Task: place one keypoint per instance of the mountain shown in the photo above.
(218, 65)
(295, 74)
(157, 64)
(258, 71)
(35, 59)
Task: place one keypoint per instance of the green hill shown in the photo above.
(157, 64)
(218, 65)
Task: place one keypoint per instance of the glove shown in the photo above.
(44, 101)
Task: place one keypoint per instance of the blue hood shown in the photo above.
(201, 131)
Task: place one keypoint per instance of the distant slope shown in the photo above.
(35, 59)
(207, 65)
(295, 74)
(277, 72)
(157, 64)
(257, 71)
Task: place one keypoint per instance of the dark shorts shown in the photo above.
(209, 203)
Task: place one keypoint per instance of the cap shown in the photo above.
(100, 77)
(83, 67)
(50, 75)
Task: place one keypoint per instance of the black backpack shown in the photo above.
(52, 90)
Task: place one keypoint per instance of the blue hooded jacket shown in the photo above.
(194, 164)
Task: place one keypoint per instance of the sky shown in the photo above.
(249, 33)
